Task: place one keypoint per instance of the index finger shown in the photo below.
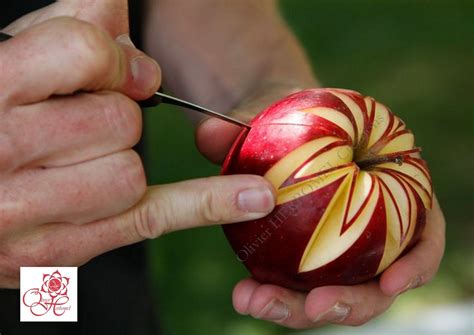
(64, 55)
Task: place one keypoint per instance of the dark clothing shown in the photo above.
(114, 297)
(114, 289)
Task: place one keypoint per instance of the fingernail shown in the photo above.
(126, 40)
(414, 283)
(275, 310)
(256, 200)
(145, 72)
(337, 313)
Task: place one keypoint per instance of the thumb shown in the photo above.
(195, 203)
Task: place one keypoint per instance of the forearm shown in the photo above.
(226, 54)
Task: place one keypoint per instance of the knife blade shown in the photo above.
(168, 99)
(160, 97)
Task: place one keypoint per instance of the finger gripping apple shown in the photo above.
(352, 191)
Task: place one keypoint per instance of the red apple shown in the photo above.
(352, 191)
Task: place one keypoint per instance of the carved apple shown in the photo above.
(352, 191)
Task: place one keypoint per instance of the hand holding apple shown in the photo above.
(388, 231)
(351, 192)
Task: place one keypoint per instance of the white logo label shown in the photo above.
(48, 294)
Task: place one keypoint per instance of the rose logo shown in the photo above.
(49, 297)
(55, 284)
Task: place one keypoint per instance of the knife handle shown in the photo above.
(4, 37)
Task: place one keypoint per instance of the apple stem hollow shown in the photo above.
(365, 163)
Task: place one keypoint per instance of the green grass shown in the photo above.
(415, 56)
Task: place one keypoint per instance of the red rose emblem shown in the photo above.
(55, 284)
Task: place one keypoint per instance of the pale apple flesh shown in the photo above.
(351, 190)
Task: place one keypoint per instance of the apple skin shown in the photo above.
(335, 223)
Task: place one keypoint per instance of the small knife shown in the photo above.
(159, 98)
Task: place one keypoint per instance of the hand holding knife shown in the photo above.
(159, 98)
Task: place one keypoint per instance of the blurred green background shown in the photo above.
(416, 57)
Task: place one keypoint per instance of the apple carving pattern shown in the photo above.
(352, 191)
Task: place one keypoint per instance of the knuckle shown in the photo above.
(124, 116)
(214, 207)
(150, 220)
(131, 175)
(93, 51)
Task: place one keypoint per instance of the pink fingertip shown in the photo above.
(241, 295)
